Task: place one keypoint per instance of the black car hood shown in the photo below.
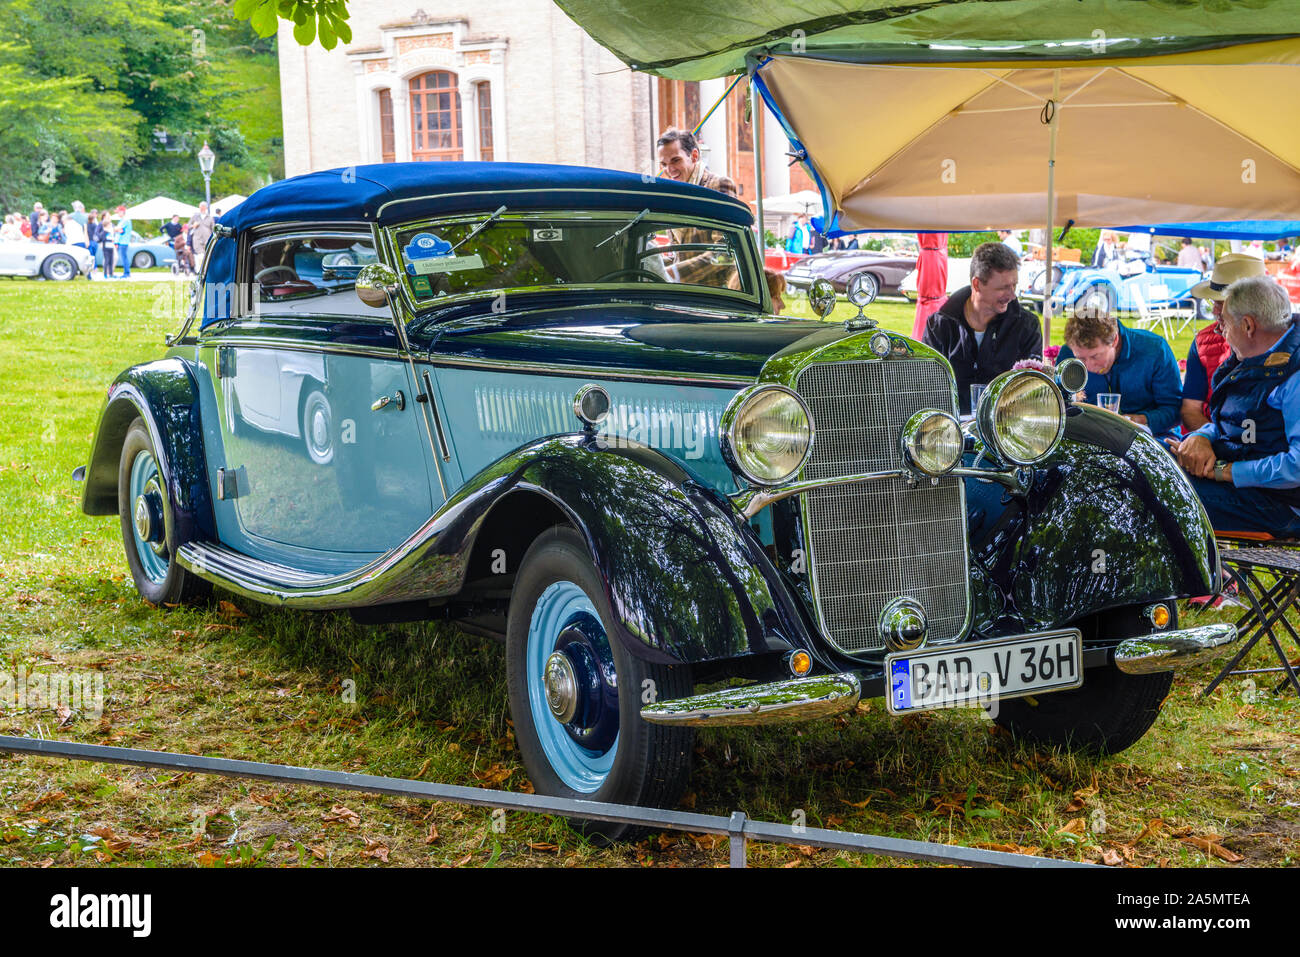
(677, 340)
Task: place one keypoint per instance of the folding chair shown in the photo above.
(1151, 316)
(1267, 573)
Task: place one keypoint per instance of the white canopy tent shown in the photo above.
(161, 207)
(227, 203)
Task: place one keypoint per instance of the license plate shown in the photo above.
(968, 675)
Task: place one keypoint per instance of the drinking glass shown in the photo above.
(1109, 401)
(976, 390)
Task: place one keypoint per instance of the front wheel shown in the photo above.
(142, 260)
(1108, 714)
(148, 534)
(59, 268)
(576, 693)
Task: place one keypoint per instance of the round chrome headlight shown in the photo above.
(1021, 416)
(932, 442)
(766, 434)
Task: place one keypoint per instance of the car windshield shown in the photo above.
(540, 250)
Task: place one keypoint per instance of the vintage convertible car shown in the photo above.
(881, 271)
(1080, 289)
(58, 261)
(550, 404)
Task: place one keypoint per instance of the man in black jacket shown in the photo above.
(982, 329)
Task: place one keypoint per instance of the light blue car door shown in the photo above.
(317, 452)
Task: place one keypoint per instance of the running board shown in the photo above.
(405, 574)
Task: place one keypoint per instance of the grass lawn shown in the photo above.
(1215, 780)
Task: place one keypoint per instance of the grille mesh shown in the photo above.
(875, 541)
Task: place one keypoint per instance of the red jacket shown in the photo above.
(1212, 349)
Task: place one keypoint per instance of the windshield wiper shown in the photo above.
(624, 228)
(479, 228)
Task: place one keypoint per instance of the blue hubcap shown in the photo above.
(147, 519)
(572, 687)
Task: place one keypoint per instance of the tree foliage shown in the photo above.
(325, 21)
(90, 93)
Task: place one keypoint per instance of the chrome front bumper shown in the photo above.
(821, 696)
(798, 699)
(1173, 650)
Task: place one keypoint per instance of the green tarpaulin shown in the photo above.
(700, 39)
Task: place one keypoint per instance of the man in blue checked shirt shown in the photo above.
(1245, 462)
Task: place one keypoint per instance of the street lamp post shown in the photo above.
(207, 160)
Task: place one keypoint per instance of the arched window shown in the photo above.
(435, 117)
(483, 96)
(387, 149)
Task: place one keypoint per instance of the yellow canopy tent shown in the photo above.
(975, 115)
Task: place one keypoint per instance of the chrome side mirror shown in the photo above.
(375, 283)
(821, 296)
(1072, 376)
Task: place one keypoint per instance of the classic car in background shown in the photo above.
(958, 276)
(881, 271)
(50, 260)
(1140, 285)
(551, 404)
(144, 253)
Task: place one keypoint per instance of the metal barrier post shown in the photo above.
(736, 837)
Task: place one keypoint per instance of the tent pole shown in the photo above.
(756, 130)
(1051, 204)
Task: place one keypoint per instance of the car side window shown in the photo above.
(297, 274)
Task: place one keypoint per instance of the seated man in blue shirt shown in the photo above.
(1139, 365)
(1245, 462)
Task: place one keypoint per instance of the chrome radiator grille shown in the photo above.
(874, 541)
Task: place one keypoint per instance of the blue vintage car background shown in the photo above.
(143, 253)
(1142, 286)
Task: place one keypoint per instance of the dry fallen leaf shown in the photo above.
(376, 849)
(1111, 857)
(856, 803)
(1076, 826)
(432, 836)
(344, 814)
(208, 859)
(43, 800)
(1211, 845)
(229, 609)
(1153, 826)
(1074, 806)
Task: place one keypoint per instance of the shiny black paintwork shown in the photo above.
(163, 393)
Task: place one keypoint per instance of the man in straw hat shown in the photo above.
(1245, 463)
(1209, 348)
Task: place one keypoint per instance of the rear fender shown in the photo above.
(165, 396)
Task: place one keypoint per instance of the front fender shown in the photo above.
(1109, 521)
(164, 395)
(686, 580)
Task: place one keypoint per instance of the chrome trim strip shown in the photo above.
(587, 372)
(1174, 650)
(301, 345)
(780, 702)
(437, 419)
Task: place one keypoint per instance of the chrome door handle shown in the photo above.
(397, 398)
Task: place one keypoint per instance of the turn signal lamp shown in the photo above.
(1159, 615)
(800, 663)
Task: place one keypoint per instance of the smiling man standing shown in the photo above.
(982, 329)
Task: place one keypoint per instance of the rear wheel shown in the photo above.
(576, 693)
(148, 534)
(142, 260)
(1108, 714)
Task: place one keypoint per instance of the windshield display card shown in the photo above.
(424, 267)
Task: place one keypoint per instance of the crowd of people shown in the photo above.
(1233, 423)
(108, 234)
